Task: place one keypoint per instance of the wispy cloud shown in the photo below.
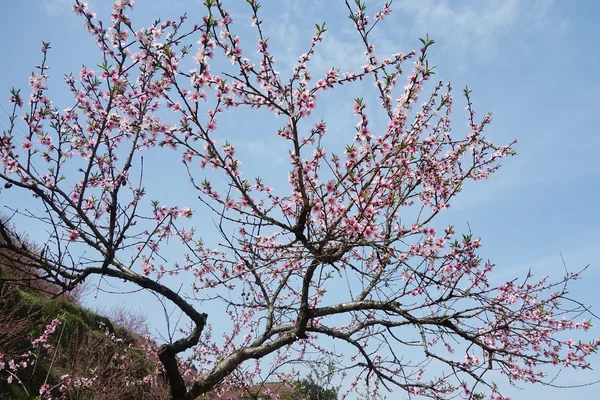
(464, 30)
(569, 255)
(56, 7)
(271, 153)
(473, 28)
(543, 16)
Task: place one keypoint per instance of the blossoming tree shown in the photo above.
(329, 255)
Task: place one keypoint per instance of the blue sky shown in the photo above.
(532, 63)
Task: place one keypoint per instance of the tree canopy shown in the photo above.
(347, 250)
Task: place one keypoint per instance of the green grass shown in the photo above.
(77, 324)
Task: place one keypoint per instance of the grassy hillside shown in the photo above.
(85, 345)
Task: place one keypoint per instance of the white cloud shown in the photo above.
(265, 151)
(463, 29)
(541, 17)
(334, 52)
(56, 8)
(473, 28)
(570, 255)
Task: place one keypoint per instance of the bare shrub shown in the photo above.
(134, 321)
